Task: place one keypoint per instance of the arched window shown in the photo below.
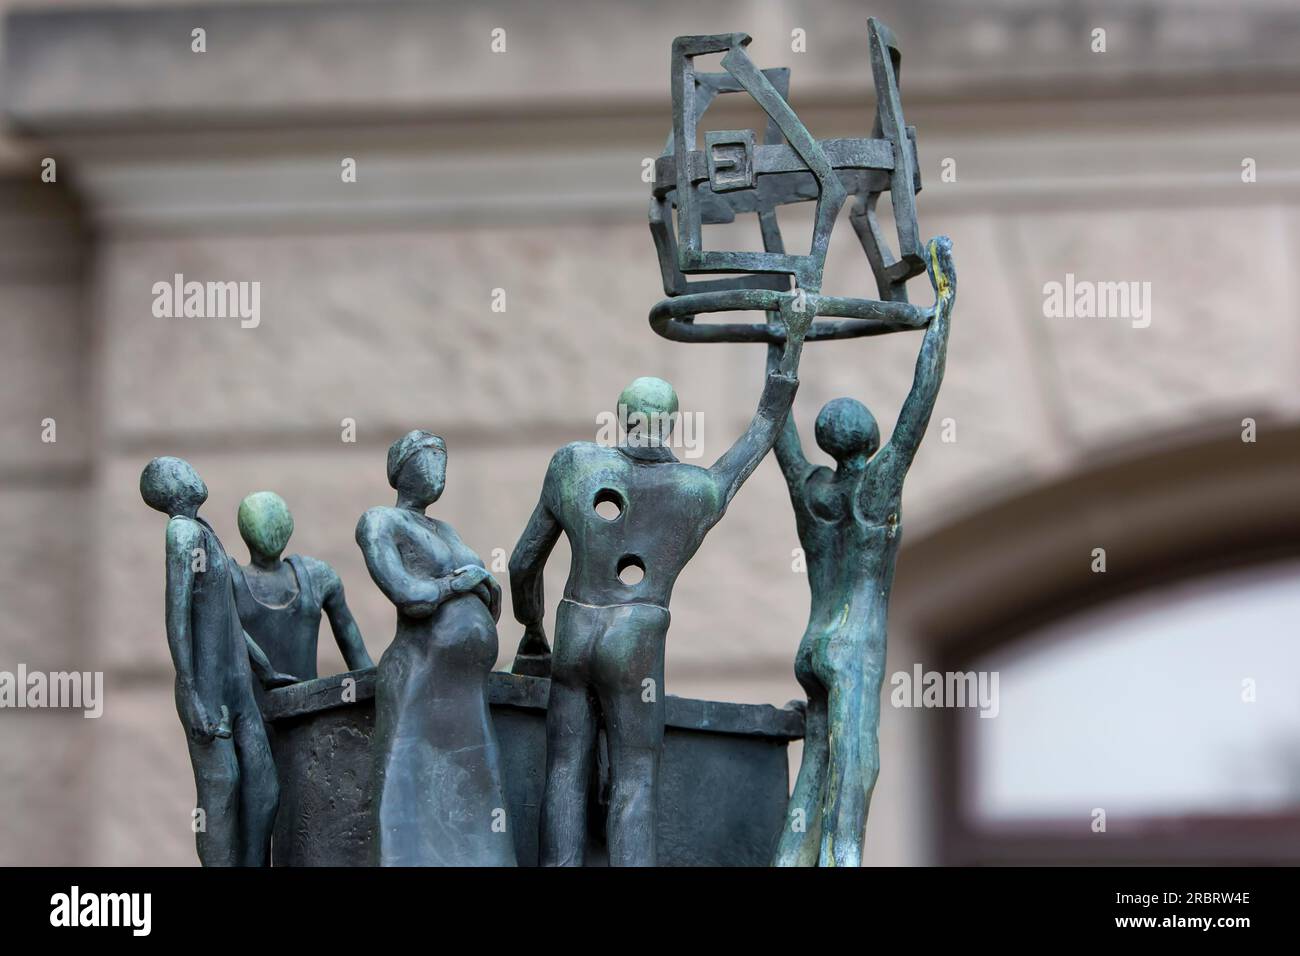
(1147, 713)
(1169, 715)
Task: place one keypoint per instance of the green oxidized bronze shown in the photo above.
(612, 624)
(431, 759)
(848, 518)
(281, 601)
(436, 763)
(215, 662)
(850, 525)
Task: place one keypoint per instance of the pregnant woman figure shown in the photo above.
(438, 795)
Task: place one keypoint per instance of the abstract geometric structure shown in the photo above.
(735, 174)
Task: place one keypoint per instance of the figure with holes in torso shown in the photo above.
(612, 623)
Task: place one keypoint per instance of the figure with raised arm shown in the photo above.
(438, 798)
(238, 791)
(612, 623)
(280, 601)
(849, 523)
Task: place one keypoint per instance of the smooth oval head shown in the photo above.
(172, 486)
(647, 412)
(417, 466)
(846, 430)
(265, 524)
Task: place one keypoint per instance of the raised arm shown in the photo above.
(896, 457)
(740, 460)
(789, 452)
(346, 633)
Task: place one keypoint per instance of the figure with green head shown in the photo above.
(280, 600)
(215, 660)
(634, 516)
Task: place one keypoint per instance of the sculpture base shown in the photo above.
(723, 790)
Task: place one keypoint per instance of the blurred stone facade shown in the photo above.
(521, 171)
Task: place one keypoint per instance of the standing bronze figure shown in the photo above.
(848, 520)
(235, 777)
(850, 525)
(438, 794)
(280, 601)
(612, 624)
(422, 785)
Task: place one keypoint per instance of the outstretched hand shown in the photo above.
(798, 319)
(943, 275)
(895, 459)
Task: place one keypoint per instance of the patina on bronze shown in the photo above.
(280, 601)
(233, 771)
(848, 519)
(612, 624)
(850, 525)
(735, 175)
(724, 781)
(438, 797)
(420, 777)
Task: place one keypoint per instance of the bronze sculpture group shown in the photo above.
(634, 516)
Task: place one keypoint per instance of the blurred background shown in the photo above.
(1163, 691)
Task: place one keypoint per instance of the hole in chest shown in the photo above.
(609, 504)
(631, 569)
